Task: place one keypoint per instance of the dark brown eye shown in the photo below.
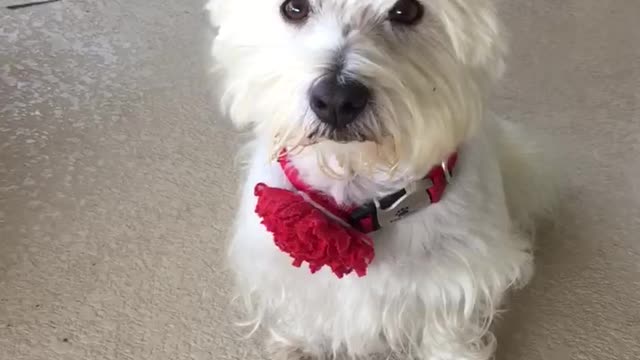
(295, 10)
(406, 12)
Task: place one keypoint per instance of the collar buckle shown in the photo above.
(401, 204)
(448, 174)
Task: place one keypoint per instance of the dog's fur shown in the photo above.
(439, 275)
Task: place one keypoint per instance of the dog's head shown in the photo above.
(406, 75)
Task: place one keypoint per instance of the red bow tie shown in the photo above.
(311, 227)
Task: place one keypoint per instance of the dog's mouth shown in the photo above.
(342, 136)
(361, 130)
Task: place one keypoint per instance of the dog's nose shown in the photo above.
(338, 103)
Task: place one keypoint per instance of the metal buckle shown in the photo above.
(414, 199)
(447, 172)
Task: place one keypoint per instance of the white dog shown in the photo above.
(368, 104)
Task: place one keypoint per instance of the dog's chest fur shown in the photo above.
(449, 262)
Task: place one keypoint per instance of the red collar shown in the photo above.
(381, 212)
(312, 228)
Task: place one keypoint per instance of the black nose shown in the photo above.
(338, 103)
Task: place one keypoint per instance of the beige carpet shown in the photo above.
(116, 185)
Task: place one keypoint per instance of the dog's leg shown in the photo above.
(458, 337)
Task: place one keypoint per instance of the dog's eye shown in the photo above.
(406, 12)
(295, 10)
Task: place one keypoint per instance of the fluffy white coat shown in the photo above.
(440, 275)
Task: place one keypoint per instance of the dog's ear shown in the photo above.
(476, 34)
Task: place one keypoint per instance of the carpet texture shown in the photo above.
(117, 182)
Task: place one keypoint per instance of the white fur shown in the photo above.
(439, 275)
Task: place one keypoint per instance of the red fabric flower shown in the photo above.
(308, 235)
